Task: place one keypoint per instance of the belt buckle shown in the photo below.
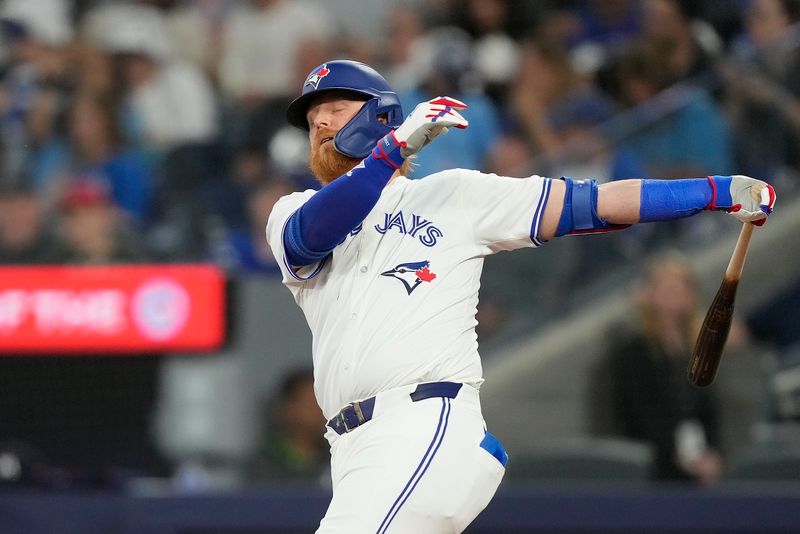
(360, 419)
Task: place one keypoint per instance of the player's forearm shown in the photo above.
(326, 218)
(584, 207)
(619, 202)
(632, 201)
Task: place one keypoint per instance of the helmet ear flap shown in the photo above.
(357, 138)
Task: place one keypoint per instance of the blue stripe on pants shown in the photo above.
(436, 442)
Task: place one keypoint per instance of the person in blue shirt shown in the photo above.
(242, 250)
(93, 149)
(691, 140)
(451, 73)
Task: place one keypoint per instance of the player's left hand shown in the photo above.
(428, 120)
(747, 199)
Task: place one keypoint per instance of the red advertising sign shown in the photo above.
(111, 309)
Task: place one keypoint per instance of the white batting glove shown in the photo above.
(428, 120)
(747, 199)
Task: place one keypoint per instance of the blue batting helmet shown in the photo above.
(356, 138)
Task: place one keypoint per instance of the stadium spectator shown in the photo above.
(192, 29)
(356, 37)
(404, 31)
(94, 70)
(511, 155)
(690, 45)
(771, 43)
(260, 45)
(25, 235)
(93, 229)
(166, 103)
(293, 448)
(610, 24)
(763, 88)
(243, 251)
(491, 24)
(682, 134)
(449, 71)
(35, 79)
(268, 46)
(554, 105)
(561, 113)
(652, 400)
(594, 31)
(94, 148)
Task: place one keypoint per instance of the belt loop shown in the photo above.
(343, 417)
(436, 389)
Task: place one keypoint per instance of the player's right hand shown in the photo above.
(747, 199)
(428, 120)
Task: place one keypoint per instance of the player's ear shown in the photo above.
(383, 118)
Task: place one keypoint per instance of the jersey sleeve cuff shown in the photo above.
(538, 213)
(296, 272)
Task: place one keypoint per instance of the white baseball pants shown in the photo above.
(416, 467)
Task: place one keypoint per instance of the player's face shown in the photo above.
(326, 116)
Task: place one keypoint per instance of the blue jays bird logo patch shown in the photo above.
(412, 274)
(315, 77)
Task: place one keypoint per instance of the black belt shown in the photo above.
(357, 413)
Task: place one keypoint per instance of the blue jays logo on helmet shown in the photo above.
(317, 74)
(356, 138)
(411, 274)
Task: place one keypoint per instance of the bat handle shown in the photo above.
(735, 266)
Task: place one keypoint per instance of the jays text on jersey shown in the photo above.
(395, 302)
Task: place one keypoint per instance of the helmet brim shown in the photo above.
(298, 108)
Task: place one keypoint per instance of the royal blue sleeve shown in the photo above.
(323, 222)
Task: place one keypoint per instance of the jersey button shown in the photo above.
(363, 268)
(353, 315)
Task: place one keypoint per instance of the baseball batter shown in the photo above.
(387, 271)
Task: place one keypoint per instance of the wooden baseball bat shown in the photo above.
(714, 331)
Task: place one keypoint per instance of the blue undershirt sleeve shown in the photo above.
(323, 222)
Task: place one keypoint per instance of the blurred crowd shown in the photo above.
(154, 130)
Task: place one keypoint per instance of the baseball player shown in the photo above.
(387, 270)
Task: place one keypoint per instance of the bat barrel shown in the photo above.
(710, 343)
(717, 323)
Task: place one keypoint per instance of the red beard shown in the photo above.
(327, 164)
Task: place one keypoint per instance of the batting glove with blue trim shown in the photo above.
(428, 120)
(747, 199)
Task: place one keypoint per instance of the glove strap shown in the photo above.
(721, 194)
(388, 151)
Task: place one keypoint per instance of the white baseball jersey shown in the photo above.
(395, 302)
